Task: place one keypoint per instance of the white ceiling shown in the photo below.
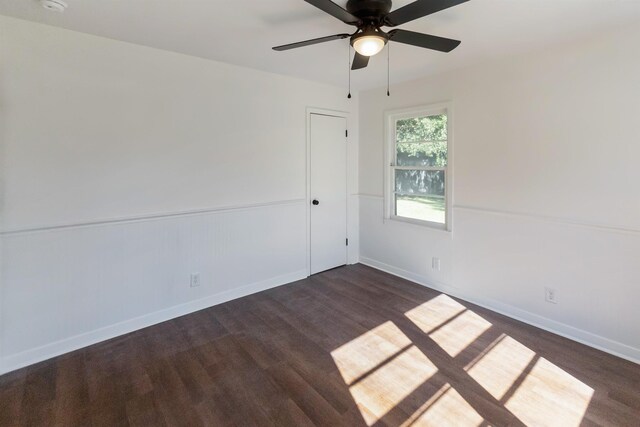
(243, 31)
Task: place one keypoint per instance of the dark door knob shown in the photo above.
(315, 202)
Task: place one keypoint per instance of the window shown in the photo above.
(418, 179)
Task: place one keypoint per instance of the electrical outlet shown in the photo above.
(435, 263)
(195, 280)
(550, 295)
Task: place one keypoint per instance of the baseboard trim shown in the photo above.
(48, 351)
(579, 335)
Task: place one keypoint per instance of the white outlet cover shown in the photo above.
(550, 295)
(195, 280)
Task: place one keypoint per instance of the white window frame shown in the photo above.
(391, 117)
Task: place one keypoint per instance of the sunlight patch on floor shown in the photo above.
(369, 350)
(434, 312)
(499, 368)
(550, 396)
(533, 389)
(445, 408)
(385, 388)
(459, 333)
(381, 370)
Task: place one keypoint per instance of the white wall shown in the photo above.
(546, 189)
(125, 168)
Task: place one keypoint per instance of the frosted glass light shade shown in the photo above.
(369, 45)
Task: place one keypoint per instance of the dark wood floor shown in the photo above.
(351, 346)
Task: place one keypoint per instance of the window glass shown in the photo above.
(420, 194)
(422, 154)
(419, 169)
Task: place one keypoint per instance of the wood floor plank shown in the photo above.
(316, 408)
(39, 395)
(11, 392)
(72, 392)
(352, 346)
(143, 411)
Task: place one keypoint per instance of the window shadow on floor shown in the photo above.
(440, 361)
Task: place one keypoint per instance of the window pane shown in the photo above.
(419, 183)
(424, 208)
(422, 154)
(419, 129)
(420, 195)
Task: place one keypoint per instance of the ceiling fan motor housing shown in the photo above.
(370, 11)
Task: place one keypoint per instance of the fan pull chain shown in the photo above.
(388, 66)
(349, 67)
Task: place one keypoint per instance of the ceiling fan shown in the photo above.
(369, 16)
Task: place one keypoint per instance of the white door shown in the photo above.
(328, 192)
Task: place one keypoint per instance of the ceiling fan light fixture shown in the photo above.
(369, 42)
(369, 45)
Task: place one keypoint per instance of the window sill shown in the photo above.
(425, 225)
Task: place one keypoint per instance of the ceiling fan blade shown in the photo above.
(418, 9)
(334, 10)
(359, 61)
(310, 42)
(423, 40)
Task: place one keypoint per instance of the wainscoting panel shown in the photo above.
(504, 261)
(67, 287)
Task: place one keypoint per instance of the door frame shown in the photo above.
(331, 113)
